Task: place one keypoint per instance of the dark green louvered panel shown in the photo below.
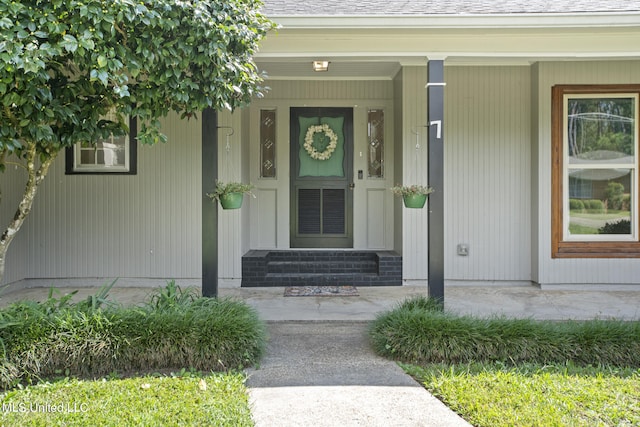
(309, 211)
(333, 211)
(321, 211)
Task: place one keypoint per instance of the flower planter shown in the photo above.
(414, 200)
(414, 196)
(231, 200)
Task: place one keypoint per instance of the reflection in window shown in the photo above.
(601, 170)
(106, 153)
(375, 153)
(268, 143)
(114, 154)
(606, 207)
(600, 130)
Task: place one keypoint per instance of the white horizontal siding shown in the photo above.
(414, 171)
(231, 223)
(487, 173)
(574, 271)
(147, 225)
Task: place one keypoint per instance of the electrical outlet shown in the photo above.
(463, 249)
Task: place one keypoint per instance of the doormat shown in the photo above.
(321, 291)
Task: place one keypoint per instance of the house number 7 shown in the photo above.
(438, 124)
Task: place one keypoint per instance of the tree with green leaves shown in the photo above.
(66, 64)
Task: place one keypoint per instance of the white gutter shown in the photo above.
(513, 20)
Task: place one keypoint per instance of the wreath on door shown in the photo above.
(326, 132)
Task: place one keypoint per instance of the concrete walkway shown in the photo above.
(320, 371)
(325, 374)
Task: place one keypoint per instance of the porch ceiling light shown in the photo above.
(320, 66)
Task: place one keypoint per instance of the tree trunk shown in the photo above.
(36, 175)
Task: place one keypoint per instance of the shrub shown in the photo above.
(614, 193)
(57, 337)
(594, 206)
(576, 205)
(413, 334)
(622, 226)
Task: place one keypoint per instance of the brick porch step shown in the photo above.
(315, 268)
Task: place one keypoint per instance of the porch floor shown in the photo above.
(510, 301)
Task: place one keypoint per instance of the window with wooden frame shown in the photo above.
(595, 171)
(112, 155)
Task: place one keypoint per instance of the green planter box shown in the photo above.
(231, 200)
(414, 200)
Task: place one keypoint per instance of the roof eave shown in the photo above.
(531, 20)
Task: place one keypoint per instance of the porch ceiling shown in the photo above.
(365, 53)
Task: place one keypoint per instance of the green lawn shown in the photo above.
(210, 400)
(581, 229)
(492, 395)
(593, 221)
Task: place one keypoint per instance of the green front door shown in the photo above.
(321, 177)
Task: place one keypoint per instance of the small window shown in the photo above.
(113, 155)
(375, 136)
(267, 143)
(595, 171)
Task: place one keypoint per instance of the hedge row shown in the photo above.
(416, 332)
(173, 331)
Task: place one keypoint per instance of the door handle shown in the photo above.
(352, 185)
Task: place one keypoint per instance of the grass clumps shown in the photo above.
(175, 329)
(418, 332)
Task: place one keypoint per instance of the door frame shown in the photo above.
(318, 240)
